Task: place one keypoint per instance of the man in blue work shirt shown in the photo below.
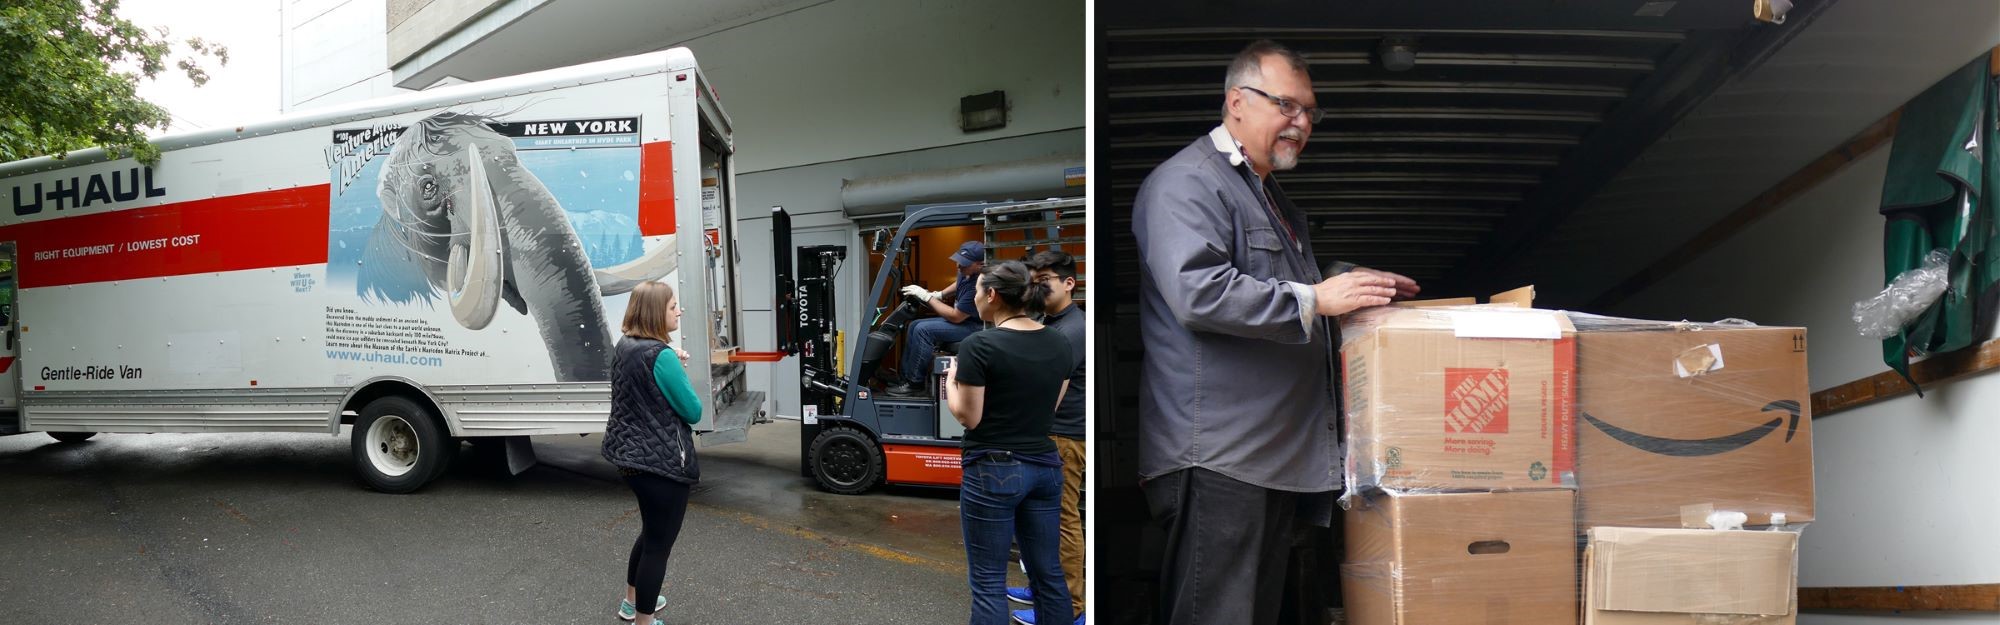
(956, 319)
(1238, 423)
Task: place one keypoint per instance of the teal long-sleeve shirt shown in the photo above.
(673, 381)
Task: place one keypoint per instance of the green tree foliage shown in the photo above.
(69, 78)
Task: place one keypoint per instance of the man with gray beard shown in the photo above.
(1237, 402)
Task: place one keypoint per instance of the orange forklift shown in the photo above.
(855, 437)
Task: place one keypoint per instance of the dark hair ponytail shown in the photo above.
(1036, 299)
(1015, 285)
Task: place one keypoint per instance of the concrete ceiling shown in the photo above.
(518, 36)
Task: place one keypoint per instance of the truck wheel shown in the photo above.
(71, 437)
(846, 461)
(398, 445)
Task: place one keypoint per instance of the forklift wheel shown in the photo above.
(846, 461)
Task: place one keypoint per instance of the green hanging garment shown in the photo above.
(1943, 158)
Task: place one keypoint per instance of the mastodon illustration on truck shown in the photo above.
(435, 267)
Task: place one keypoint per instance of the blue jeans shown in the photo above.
(924, 337)
(1000, 500)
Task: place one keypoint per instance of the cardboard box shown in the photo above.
(1677, 415)
(1451, 558)
(1466, 398)
(1523, 297)
(1647, 576)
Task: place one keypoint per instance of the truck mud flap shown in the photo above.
(520, 454)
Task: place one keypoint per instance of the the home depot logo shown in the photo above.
(1475, 401)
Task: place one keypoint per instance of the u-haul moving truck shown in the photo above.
(439, 265)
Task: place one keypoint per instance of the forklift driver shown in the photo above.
(957, 319)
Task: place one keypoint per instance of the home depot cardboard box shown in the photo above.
(1499, 558)
(1677, 415)
(1652, 576)
(1459, 398)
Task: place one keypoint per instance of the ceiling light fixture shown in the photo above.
(1398, 53)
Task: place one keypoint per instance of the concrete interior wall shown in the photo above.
(1903, 485)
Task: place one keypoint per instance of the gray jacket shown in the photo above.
(1238, 375)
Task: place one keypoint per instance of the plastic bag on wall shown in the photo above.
(1885, 314)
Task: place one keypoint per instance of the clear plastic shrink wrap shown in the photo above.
(1516, 465)
(1885, 314)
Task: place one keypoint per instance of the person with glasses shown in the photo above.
(1062, 313)
(1005, 387)
(1238, 429)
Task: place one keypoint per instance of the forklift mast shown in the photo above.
(820, 384)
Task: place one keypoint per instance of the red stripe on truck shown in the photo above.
(280, 228)
(656, 189)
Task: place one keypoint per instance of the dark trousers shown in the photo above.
(922, 341)
(663, 504)
(1002, 501)
(1226, 548)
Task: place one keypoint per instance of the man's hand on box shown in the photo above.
(1353, 291)
(1405, 287)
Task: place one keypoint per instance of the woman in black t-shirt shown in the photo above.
(1004, 387)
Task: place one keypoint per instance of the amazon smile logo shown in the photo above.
(1706, 446)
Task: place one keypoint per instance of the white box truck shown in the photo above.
(436, 266)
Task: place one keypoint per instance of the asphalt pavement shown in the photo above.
(273, 528)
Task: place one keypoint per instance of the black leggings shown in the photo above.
(663, 504)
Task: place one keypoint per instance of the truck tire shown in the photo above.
(71, 437)
(399, 445)
(846, 461)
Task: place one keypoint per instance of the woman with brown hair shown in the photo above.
(650, 437)
(1004, 388)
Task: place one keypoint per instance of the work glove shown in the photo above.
(918, 292)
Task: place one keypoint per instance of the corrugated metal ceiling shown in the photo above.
(1443, 167)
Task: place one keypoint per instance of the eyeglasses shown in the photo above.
(1289, 108)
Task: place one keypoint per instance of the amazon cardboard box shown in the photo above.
(1459, 398)
(1450, 558)
(1677, 415)
(1650, 576)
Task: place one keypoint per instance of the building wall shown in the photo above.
(858, 78)
(334, 53)
(409, 25)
